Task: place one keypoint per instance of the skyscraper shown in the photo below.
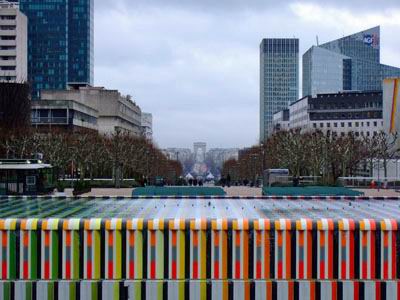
(349, 63)
(60, 43)
(279, 79)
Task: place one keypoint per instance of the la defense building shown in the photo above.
(60, 43)
(279, 79)
(351, 63)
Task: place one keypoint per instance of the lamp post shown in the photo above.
(263, 161)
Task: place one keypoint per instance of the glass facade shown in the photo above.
(60, 43)
(279, 79)
(360, 63)
(325, 71)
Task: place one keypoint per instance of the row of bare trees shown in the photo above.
(119, 155)
(313, 154)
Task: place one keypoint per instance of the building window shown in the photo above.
(328, 125)
(315, 125)
(375, 124)
(357, 124)
(349, 124)
(342, 124)
(368, 124)
(321, 125)
(335, 124)
(368, 133)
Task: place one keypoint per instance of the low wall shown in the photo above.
(199, 249)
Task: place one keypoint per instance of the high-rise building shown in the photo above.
(349, 63)
(13, 43)
(279, 79)
(147, 126)
(60, 43)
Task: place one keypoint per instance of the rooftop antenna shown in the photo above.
(317, 41)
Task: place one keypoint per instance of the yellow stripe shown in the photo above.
(394, 107)
(181, 235)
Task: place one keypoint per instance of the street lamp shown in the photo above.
(263, 161)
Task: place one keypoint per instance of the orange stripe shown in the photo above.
(288, 258)
(26, 238)
(312, 290)
(309, 255)
(224, 255)
(195, 238)
(131, 238)
(246, 254)
(4, 239)
(46, 238)
(266, 255)
(269, 290)
(110, 238)
(173, 238)
(89, 238)
(152, 238)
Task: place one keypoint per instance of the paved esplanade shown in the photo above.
(255, 208)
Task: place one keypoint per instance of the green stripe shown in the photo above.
(55, 255)
(75, 258)
(33, 255)
(12, 245)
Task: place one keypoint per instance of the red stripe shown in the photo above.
(351, 257)
(377, 290)
(280, 268)
(46, 270)
(301, 270)
(25, 270)
(68, 269)
(110, 269)
(258, 268)
(322, 269)
(153, 269)
(89, 269)
(4, 262)
(356, 290)
(173, 269)
(4, 269)
(131, 270)
(195, 269)
(216, 270)
(394, 258)
(237, 269)
(330, 255)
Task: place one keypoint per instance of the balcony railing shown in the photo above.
(49, 120)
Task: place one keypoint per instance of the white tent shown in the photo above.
(210, 176)
(189, 176)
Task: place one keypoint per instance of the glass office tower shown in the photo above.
(60, 43)
(360, 54)
(325, 71)
(279, 79)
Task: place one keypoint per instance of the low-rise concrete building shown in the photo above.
(281, 120)
(84, 107)
(338, 114)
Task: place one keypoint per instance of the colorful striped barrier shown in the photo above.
(199, 249)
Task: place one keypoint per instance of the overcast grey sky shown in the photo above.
(194, 64)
